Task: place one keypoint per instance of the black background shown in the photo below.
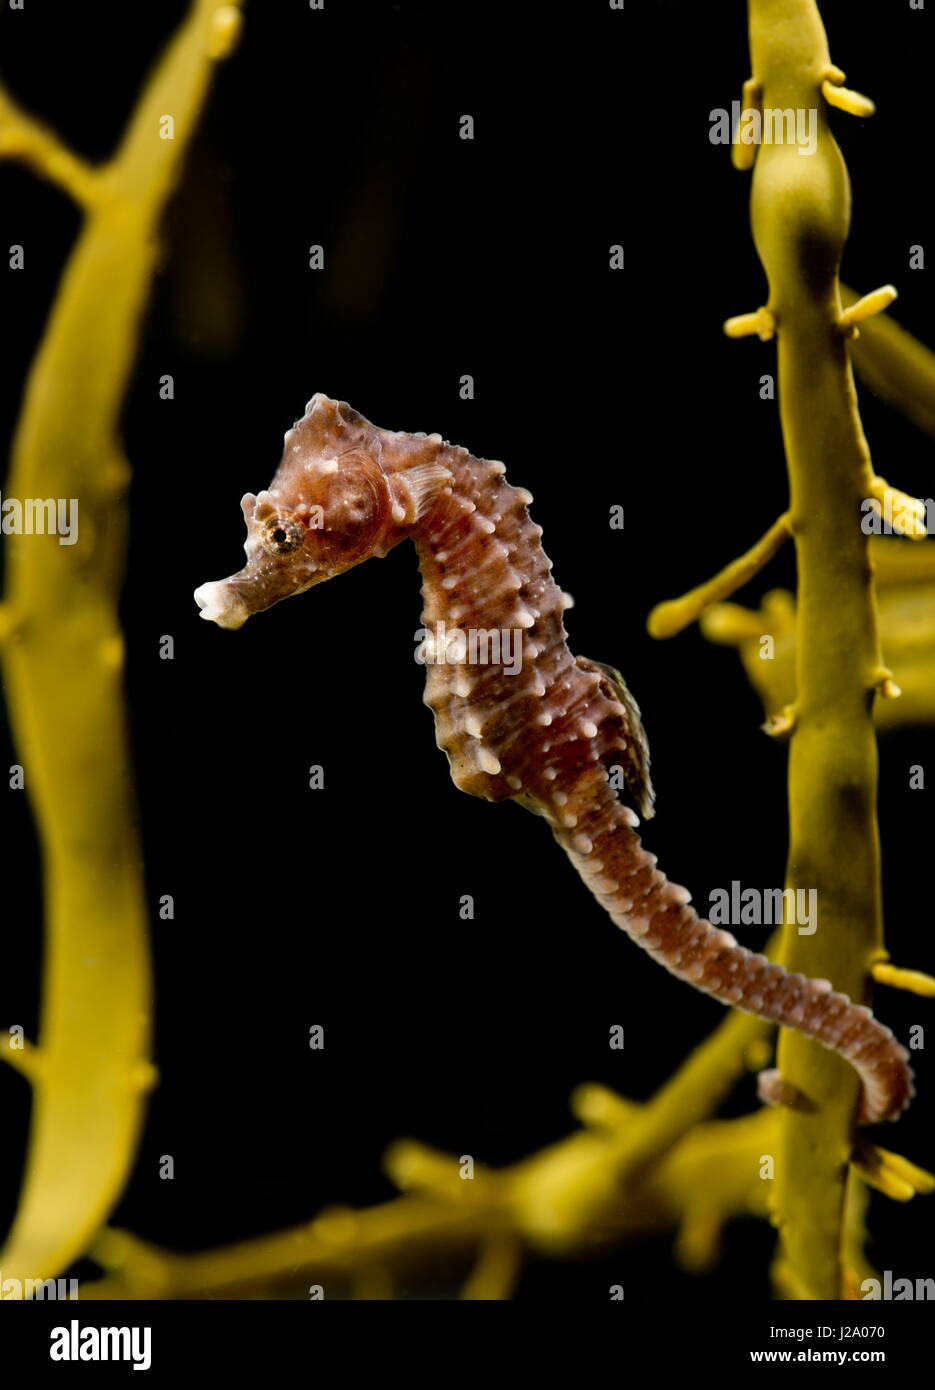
(445, 257)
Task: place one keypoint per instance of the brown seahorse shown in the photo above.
(547, 730)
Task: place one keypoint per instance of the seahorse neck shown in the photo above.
(477, 547)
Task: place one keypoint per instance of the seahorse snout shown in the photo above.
(220, 603)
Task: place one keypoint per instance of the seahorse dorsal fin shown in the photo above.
(634, 756)
(424, 482)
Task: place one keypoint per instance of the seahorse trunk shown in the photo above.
(606, 851)
(548, 735)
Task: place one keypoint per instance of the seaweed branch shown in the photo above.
(566, 1199)
(896, 365)
(63, 661)
(800, 212)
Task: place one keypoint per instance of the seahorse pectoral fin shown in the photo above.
(633, 753)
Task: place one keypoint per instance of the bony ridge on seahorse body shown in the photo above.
(547, 731)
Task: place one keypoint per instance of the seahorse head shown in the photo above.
(344, 491)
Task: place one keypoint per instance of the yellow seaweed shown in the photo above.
(905, 585)
(833, 668)
(63, 658)
(896, 365)
(568, 1198)
(800, 214)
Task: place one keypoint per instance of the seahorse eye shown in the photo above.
(283, 534)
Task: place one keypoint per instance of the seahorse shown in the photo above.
(553, 731)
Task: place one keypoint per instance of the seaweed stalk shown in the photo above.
(800, 209)
(63, 659)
